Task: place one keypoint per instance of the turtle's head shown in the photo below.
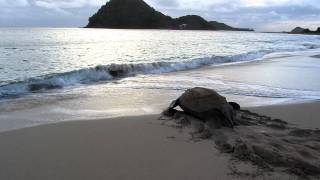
(235, 105)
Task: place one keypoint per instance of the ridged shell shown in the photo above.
(201, 100)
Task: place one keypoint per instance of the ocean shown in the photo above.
(61, 74)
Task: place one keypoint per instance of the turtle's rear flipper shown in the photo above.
(228, 114)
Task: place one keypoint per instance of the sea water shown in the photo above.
(50, 75)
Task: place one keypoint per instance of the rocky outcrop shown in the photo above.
(136, 14)
(193, 22)
(223, 26)
(129, 14)
(299, 30)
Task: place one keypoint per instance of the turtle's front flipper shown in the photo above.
(174, 104)
(171, 111)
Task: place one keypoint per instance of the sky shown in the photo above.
(262, 15)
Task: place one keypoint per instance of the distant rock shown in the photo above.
(136, 14)
(193, 22)
(223, 26)
(307, 31)
(299, 30)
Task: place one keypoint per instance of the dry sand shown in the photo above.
(304, 115)
(123, 148)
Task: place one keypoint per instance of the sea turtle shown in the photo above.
(206, 104)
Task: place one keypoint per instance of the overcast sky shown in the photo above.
(262, 15)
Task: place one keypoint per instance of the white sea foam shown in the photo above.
(38, 60)
(115, 71)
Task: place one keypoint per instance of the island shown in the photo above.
(300, 30)
(137, 14)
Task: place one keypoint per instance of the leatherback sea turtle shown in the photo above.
(206, 105)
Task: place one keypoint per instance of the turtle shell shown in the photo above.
(200, 100)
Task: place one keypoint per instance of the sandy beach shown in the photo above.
(122, 148)
(159, 90)
(125, 148)
(304, 115)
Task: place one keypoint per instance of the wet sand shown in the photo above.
(123, 148)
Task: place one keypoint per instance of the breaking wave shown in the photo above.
(115, 71)
(311, 46)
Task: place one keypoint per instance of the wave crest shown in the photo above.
(115, 71)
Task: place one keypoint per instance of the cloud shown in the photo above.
(263, 15)
(290, 24)
(64, 6)
(13, 3)
(235, 4)
(257, 14)
(163, 3)
(52, 6)
(67, 4)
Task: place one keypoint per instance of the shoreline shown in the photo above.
(139, 147)
(122, 71)
(150, 94)
(267, 110)
(241, 82)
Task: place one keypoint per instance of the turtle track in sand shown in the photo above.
(270, 145)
